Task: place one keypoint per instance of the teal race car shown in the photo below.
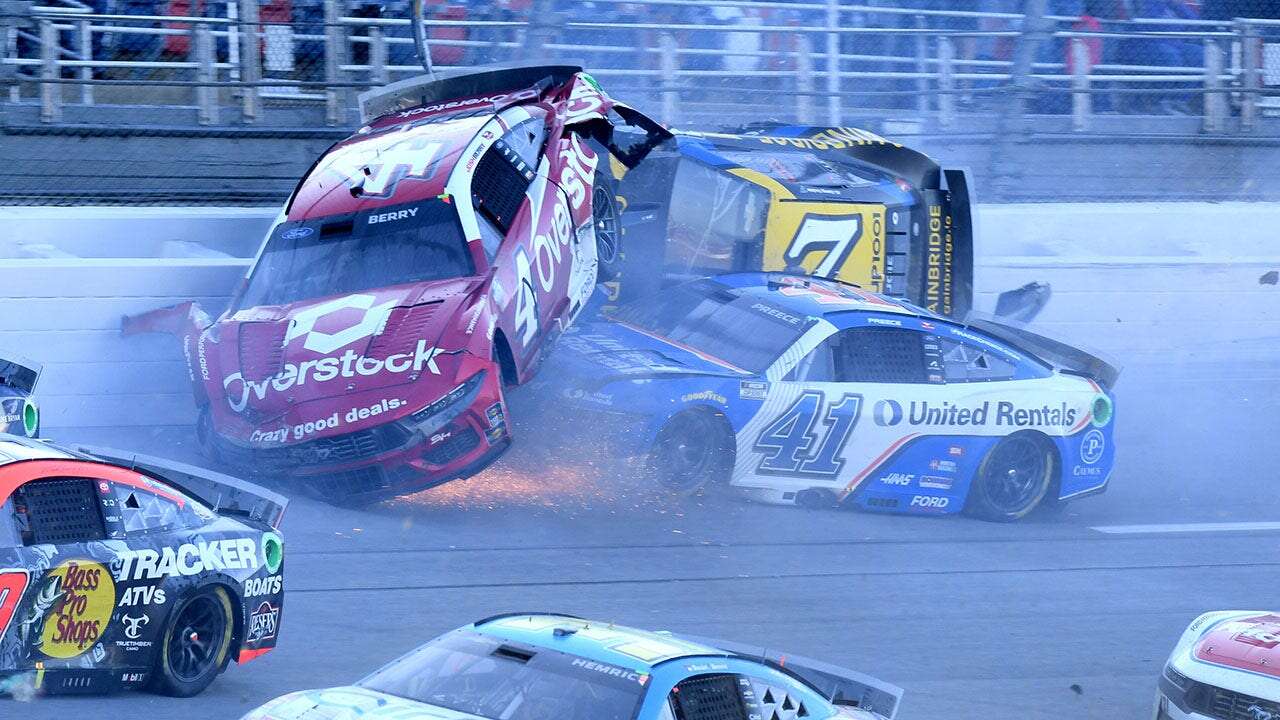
(541, 666)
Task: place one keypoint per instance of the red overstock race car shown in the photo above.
(421, 265)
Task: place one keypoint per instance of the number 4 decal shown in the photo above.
(12, 585)
(788, 443)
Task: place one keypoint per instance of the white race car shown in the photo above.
(1226, 666)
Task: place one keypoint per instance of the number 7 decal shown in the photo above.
(788, 443)
(12, 585)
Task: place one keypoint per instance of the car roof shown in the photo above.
(807, 295)
(14, 448)
(637, 650)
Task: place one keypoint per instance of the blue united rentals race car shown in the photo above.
(806, 391)
(18, 412)
(541, 666)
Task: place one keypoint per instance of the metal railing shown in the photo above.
(898, 60)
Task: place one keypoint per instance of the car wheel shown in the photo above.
(693, 449)
(194, 645)
(1013, 479)
(607, 217)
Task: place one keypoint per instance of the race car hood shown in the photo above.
(350, 703)
(267, 364)
(606, 352)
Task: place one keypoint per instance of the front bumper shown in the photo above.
(1202, 701)
(383, 461)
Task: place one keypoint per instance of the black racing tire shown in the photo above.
(1014, 478)
(195, 644)
(606, 215)
(694, 449)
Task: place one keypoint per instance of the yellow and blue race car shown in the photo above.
(840, 203)
(802, 391)
(560, 667)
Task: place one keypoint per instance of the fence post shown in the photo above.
(250, 60)
(206, 95)
(335, 56)
(1215, 104)
(1081, 97)
(922, 67)
(86, 53)
(946, 82)
(1250, 62)
(669, 65)
(804, 80)
(50, 92)
(833, 63)
(378, 72)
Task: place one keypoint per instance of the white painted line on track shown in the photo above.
(1185, 528)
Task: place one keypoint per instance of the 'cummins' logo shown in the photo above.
(304, 323)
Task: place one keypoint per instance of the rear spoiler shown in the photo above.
(19, 373)
(839, 685)
(1058, 354)
(224, 494)
(458, 83)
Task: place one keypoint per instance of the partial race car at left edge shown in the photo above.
(120, 570)
(18, 412)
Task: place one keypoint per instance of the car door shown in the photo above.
(833, 415)
(68, 608)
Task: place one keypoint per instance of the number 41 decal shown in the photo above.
(793, 444)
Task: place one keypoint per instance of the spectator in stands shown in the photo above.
(1172, 53)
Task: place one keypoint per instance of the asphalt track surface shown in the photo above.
(1049, 618)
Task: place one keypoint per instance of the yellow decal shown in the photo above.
(939, 257)
(845, 241)
(81, 613)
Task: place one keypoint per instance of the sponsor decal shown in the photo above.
(956, 451)
(933, 482)
(303, 323)
(263, 623)
(1261, 635)
(283, 433)
(884, 321)
(257, 587)
(938, 261)
(1002, 413)
(467, 102)
(1257, 713)
(943, 465)
(141, 595)
(132, 677)
(386, 217)
(439, 437)
(493, 414)
(1086, 471)
(753, 390)
(930, 501)
(898, 479)
(1092, 445)
(323, 370)
(133, 625)
(187, 559)
(86, 597)
(297, 233)
(596, 397)
(12, 584)
(610, 670)
(710, 395)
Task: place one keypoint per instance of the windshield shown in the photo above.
(708, 318)
(381, 247)
(473, 673)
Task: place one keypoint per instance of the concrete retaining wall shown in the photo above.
(1134, 281)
